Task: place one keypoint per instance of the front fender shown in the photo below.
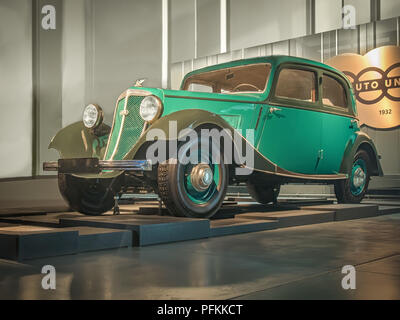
(76, 141)
(361, 141)
(193, 119)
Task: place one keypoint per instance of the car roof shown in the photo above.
(274, 60)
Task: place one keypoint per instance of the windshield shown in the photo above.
(247, 78)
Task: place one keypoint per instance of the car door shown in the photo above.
(291, 134)
(338, 124)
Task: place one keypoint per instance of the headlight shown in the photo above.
(92, 116)
(150, 108)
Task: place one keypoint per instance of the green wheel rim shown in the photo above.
(201, 197)
(358, 178)
(196, 196)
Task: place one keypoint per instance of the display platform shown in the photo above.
(292, 218)
(52, 234)
(29, 242)
(147, 230)
(347, 211)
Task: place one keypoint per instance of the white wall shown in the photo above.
(15, 88)
(73, 61)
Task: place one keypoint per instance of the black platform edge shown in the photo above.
(287, 219)
(152, 233)
(103, 239)
(32, 245)
(237, 226)
(388, 209)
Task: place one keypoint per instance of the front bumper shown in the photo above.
(94, 165)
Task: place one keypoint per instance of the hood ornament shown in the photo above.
(139, 82)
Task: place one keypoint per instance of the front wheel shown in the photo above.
(353, 189)
(194, 190)
(88, 196)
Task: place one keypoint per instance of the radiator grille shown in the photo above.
(131, 130)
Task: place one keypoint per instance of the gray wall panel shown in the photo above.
(328, 15)
(390, 8)
(258, 22)
(182, 42)
(73, 61)
(15, 88)
(208, 27)
(48, 53)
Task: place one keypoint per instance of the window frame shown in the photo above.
(184, 84)
(293, 101)
(317, 106)
(344, 86)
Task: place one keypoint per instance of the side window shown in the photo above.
(296, 84)
(333, 92)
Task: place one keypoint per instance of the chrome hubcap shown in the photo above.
(359, 177)
(201, 177)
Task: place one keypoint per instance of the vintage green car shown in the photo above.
(296, 120)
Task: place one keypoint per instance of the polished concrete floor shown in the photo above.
(293, 263)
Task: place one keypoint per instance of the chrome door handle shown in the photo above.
(273, 109)
(353, 122)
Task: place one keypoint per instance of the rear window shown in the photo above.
(247, 78)
(296, 84)
(333, 92)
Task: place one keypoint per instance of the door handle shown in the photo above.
(273, 110)
(353, 122)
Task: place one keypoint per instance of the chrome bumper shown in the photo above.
(94, 165)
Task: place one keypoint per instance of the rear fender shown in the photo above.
(361, 141)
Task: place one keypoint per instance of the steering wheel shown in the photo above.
(245, 85)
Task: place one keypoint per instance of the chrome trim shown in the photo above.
(290, 174)
(120, 129)
(274, 109)
(201, 177)
(126, 165)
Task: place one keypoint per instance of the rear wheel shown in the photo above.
(194, 190)
(353, 189)
(88, 196)
(263, 194)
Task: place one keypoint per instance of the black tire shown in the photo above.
(173, 187)
(263, 194)
(345, 190)
(88, 196)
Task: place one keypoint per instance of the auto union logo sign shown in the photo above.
(376, 84)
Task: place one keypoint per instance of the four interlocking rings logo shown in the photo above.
(382, 84)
